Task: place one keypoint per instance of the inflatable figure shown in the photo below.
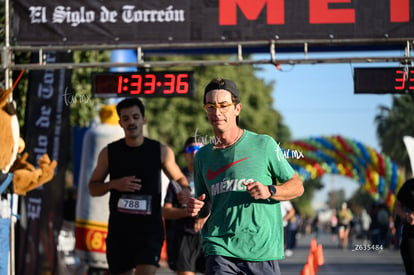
(92, 212)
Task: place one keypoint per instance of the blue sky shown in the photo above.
(319, 100)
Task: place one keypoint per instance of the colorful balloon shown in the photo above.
(375, 172)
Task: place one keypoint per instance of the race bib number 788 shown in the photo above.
(135, 204)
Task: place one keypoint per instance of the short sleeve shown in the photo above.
(280, 167)
(199, 185)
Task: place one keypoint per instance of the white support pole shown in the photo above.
(9, 84)
(6, 52)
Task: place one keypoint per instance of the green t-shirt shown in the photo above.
(240, 226)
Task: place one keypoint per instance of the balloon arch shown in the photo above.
(316, 156)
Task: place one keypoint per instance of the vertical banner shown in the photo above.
(46, 132)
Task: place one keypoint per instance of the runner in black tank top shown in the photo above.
(135, 218)
(134, 164)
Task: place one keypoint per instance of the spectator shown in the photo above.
(292, 230)
(380, 224)
(365, 225)
(333, 222)
(287, 213)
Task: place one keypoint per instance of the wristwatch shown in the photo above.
(272, 190)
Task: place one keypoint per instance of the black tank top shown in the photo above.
(144, 162)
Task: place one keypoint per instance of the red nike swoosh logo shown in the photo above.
(212, 174)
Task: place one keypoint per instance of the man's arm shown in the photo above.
(170, 167)
(98, 186)
(401, 211)
(170, 212)
(288, 190)
(291, 189)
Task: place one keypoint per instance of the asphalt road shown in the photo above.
(352, 261)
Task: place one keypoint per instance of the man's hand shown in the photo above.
(257, 190)
(126, 184)
(183, 196)
(198, 224)
(194, 205)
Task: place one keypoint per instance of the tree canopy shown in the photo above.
(393, 124)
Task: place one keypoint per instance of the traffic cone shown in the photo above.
(315, 263)
(319, 255)
(306, 270)
(311, 264)
(313, 245)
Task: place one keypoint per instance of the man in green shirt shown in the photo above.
(239, 181)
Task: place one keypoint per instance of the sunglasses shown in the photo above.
(222, 107)
(192, 148)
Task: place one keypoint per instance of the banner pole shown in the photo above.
(8, 84)
(6, 53)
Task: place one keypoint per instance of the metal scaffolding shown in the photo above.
(237, 49)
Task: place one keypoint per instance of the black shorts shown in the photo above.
(187, 254)
(344, 226)
(218, 265)
(124, 254)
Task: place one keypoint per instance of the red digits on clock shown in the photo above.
(119, 90)
(150, 84)
(170, 83)
(411, 79)
(136, 81)
(153, 84)
(400, 80)
(182, 86)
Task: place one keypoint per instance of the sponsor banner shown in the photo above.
(91, 236)
(46, 132)
(178, 21)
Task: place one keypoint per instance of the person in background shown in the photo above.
(315, 225)
(334, 225)
(239, 183)
(134, 164)
(404, 208)
(345, 218)
(365, 225)
(380, 224)
(185, 255)
(287, 213)
(292, 230)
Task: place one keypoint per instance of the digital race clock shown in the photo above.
(384, 80)
(143, 84)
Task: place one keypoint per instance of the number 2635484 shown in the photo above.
(367, 247)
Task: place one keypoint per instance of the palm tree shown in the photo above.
(393, 124)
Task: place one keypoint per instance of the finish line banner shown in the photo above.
(41, 22)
